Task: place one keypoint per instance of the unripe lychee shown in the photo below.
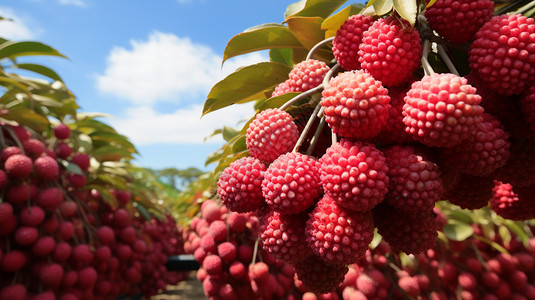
(390, 51)
(347, 40)
(62, 131)
(337, 235)
(354, 174)
(442, 110)
(292, 183)
(318, 276)
(240, 185)
(457, 21)
(18, 166)
(46, 168)
(271, 134)
(355, 105)
(503, 55)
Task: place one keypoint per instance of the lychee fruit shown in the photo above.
(354, 174)
(33, 148)
(471, 192)
(3, 179)
(13, 261)
(347, 40)
(271, 134)
(213, 264)
(26, 235)
(240, 185)
(307, 74)
(282, 88)
(318, 276)
(457, 21)
(390, 51)
(62, 131)
(520, 167)
(82, 160)
(32, 215)
(51, 275)
(527, 104)
(13, 292)
(442, 110)
(63, 150)
(355, 105)
(50, 198)
(18, 166)
(43, 246)
(292, 183)
(105, 235)
(393, 132)
(46, 168)
(513, 203)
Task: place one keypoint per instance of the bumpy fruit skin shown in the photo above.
(271, 134)
(390, 51)
(485, 150)
(282, 88)
(411, 233)
(458, 20)
(18, 166)
(33, 148)
(527, 104)
(46, 168)
(307, 74)
(240, 185)
(415, 183)
(318, 276)
(354, 174)
(337, 235)
(520, 167)
(471, 192)
(513, 203)
(347, 40)
(355, 105)
(441, 110)
(62, 131)
(284, 236)
(292, 183)
(394, 130)
(503, 55)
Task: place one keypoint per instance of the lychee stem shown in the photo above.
(315, 138)
(255, 250)
(525, 8)
(447, 59)
(301, 96)
(334, 138)
(317, 46)
(425, 63)
(307, 127)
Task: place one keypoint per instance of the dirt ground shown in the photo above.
(190, 289)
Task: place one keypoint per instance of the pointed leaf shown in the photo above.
(294, 8)
(277, 101)
(40, 69)
(319, 8)
(246, 84)
(430, 4)
(458, 231)
(281, 55)
(382, 7)
(143, 211)
(269, 37)
(407, 9)
(307, 30)
(333, 23)
(229, 133)
(26, 116)
(16, 49)
(70, 167)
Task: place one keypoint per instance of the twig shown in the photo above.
(316, 136)
(301, 96)
(425, 63)
(307, 127)
(526, 7)
(447, 59)
(317, 46)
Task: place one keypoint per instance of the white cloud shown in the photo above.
(79, 3)
(145, 126)
(16, 28)
(164, 68)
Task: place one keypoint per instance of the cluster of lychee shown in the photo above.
(61, 240)
(403, 142)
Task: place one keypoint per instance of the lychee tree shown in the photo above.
(426, 163)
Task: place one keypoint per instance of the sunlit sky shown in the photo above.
(150, 64)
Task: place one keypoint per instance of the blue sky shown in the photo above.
(150, 64)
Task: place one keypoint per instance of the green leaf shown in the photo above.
(246, 84)
(113, 139)
(277, 101)
(370, 3)
(333, 23)
(26, 116)
(213, 157)
(407, 9)
(307, 30)
(143, 211)
(70, 167)
(430, 4)
(492, 243)
(40, 69)
(377, 238)
(281, 55)
(461, 216)
(229, 133)
(458, 231)
(318, 8)
(110, 153)
(15, 49)
(269, 37)
(294, 8)
(382, 7)
(518, 230)
(505, 234)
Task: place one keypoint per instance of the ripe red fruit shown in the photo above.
(13, 292)
(337, 235)
(393, 132)
(51, 275)
(105, 235)
(442, 110)
(354, 174)
(123, 197)
(3, 179)
(128, 235)
(82, 254)
(409, 285)
(43, 246)
(415, 183)
(6, 212)
(121, 218)
(284, 236)
(26, 235)
(513, 203)
(213, 264)
(347, 40)
(133, 275)
(457, 21)
(66, 230)
(77, 181)
(68, 208)
(103, 254)
(218, 230)
(62, 252)
(9, 151)
(237, 222)
(87, 277)
(282, 88)
(33, 148)
(471, 192)
(210, 211)
(31, 215)
(527, 104)
(502, 53)
(390, 51)
(46, 168)
(227, 251)
(82, 160)
(520, 167)
(50, 198)
(355, 105)
(62, 131)
(306, 75)
(13, 261)
(292, 183)
(63, 150)
(240, 185)
(318, 276)
(18, 166)
(18, 194)
(271, 134)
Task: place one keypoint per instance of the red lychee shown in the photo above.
(318, 276)
(46, 168)
(18, 166)
(33, 148)
(62, 131)
(347, 40)
(50, 198)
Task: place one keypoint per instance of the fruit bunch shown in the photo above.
(404, 136)
(62, 239)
